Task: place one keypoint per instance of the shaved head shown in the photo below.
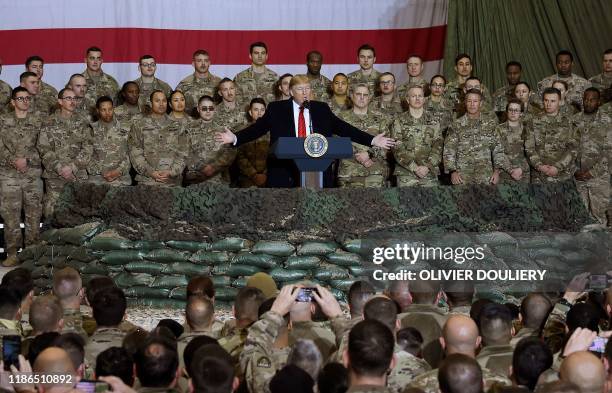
(460, 335)
(66, 284)
(585, 370)
(199, 312)
(53, 360)
(535, 309)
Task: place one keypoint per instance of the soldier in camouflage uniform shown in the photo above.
(176, 101)
(252, 157)
(110, 163)
(366, 73)
(319, 84)
(68, 287)
(594, 152)
(65, 145)
(257, 80)
(551, 142)
(339, 101)
(389, 102)
(36, 64)
(208, 160)
(528, 99)
(20, 180)
(98, 83)
(368, 167)
(469, 145)
(503, 94)
(40, 104)
(84, 107)
(565, 108)
(414, 66)
(11, 314)
(158, 146)
(437, 105)
(603, 81)
(281, 88)
(229, 112)
(200, 83)
(511, 137)
(419, 143)
(130, 108)
(5, 94)
(576, 84)
(486, 108)
(454, 87)
(148, 83)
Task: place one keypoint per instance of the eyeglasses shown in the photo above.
(207, 108)
(71, 98)
(152, 65)
(514, 111)
(302, 89)
(23, 99)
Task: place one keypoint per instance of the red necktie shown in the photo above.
(301, 124)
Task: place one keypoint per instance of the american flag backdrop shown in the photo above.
(61, 30)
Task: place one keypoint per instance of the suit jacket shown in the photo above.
(278, 121)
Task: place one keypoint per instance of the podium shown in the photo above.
(312, 168)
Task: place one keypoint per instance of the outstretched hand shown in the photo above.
(226, 136)
(382, 141)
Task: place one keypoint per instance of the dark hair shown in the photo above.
(410, 340)
(10, 301)
(531, 358)
(19, 279)
(257, 100)
(27, 74)
(381, 309)
(473, 78)
(592, 90)
(206, 97)
(476, 309)
(115, 361)
(366, 47)
(60, 94)
(265, 307)
(437, 76)
(564, 83)
(259, 44)
(247, 303)
(74, 345)
(156, 363)
(176, 328)
(523, 83)
(370, 348)
(462, 56)
(551, 90)
(333, 378)
(103, 99)
(495, 324)
(514, 63)
(135, 340)
(474, 91)
(144, 57)
(200, 52)
(109, 306)
(192, 347)
(608, 52)
(277, 85)
(313, 52)
(564, 52)
(514, 100)
(202, 285)
(213, 370)
(40, 343)
(460, 373)
(14, 92)
(358, 295)
(155, 92)
(97, 284)
(127, 84)
(414, 55)
(32, 59)
(93, 49)
(583, 315)
(608, 351)
(459, 293)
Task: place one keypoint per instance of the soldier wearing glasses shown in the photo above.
(148, 82)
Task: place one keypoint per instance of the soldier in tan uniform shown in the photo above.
(229, 112)
(21, 185)
(130, 107)
(281, 88)
(147, 82)
(200, 318)
(176, 101)
(511, 137)
(5, 93)
(67, 286)
(156, 366)
(366, 54)
(496, 330)
(564, 61)
(252, 157)
(318, 82)
(603, 81)
(437, 104)
(84, 106)
(201, 82)
(473, 83)
(207, 159)
(535, 307)
(158, 146)
(257, 80)
(528, 99)
(339, 101)
(551, 142)
(98, 83)
(36, 64)
(65, 145)
(418, 152)
(414, 67)
(110, 163)
(387, 101)
(504, 93)
(39, 104)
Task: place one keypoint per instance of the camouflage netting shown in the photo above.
(152, 240)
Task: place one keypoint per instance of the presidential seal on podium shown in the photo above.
(315, 145)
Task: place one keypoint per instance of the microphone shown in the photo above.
(306, 104)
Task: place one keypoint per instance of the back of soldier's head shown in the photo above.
(370, 348)
(45, 314)
(460, 374)
(359, 293)
(530, 359)
(109, 307)
(558, 387)
(53, 361)
(585, 370)
(333, 378)
(305, 355)
(535, 308)
(97, 284)
(410, 340)
(201, 286)
(495, 324)
(169, 324)
(424, 291)
(192, 347)
(583, 315)
(115, 361)
(135, 340)
(459, 293)
(19, 279)
(383, 310)
(213, 371)
(39, 344)
(247, 303)
(199, 312)
(66, 283)
(10, 302)
(156, 363)
(460, 334)
(74, 345)
(476, 309)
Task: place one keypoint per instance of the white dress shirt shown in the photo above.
(296, 115)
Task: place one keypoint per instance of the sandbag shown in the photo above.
(188, 245)
(81, 254)
(232, 244)
(169, 281)
(32, 252)
(338, 294)
(240, 282)
(144, 267)
(278, 248)
(263, 261)
(146, 292)
(59, 262)
(77, 235)
(221, 281)
(126, 280)
(282, 275)
(166, 255)
(186, 268)
(329, 272)
(148, 245)
(156, 303)
(178, 293)
(122, 257)
(226, 294)
(363, 271)
(344, 259)
(536, 241)
(49, 235)
(110, 240)
(221, 270)
(210, 258)
(41, 272)
(241, 270)
(302, 262)
(343, 285)
(493, 239)
(316, 248)
(28, 264)
(93, 268)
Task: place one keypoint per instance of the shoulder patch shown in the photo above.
(264, 362)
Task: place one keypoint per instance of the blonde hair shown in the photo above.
(299, 79)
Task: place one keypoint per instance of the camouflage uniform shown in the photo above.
(204, 150)
(595, 141)
(110, 152)
(501, 97)
(63, 142)
(48, 91)
(524, 332)
(250, 84)
(9, 328)
(357, 77)
(128, 112)
(43, 104)
(407, 367)
(428, 382)
(234, 119)
(576, 87)
(442, 113)
(215, 329)
(5, 96)
(468, 149)
(336, 108)
(353, 174)
(511, 146)
(101, 340)
(73, 322)
(496, 358)
(20, 190)
(601, 82)
(419, 144)
(194, 88)
(454, 94)
(390, 108)
(259, 359)
(412, 81)
(98, 86)
(553, 332)
(551, 140)
(234, 343)
(86, 108)
(368, 389)
(144, 99)
(252, 159)
(429, 320)
(320, 87)
(157, 145)
(320, 334)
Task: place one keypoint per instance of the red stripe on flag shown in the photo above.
(225, 46)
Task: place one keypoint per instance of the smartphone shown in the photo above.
(92, 386)
(599, 345)
(11, 348)
(598, 282)
(305, 295)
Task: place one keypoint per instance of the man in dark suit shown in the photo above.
(292, 118)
